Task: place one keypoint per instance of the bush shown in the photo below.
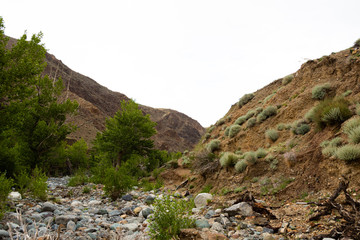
(329, 151)
(268, 98)
(228, 159)
(240, 120)
(245, 99)
(22, 181)
(300, 127)
(251, 122)
(286, 80)
(240, 166)
(354, 135)
(77, 154)
(258, 110)
(234, 129)
(227, 130)
(79, 178)
(319, 91)
(213, 145)
(272, 134)
(261, 117)
(170, 216)
(280, 126)
(270, 111)
(250, 114)
(250, 158)
(261, 153)
(117, 182)
(351, 124)
(357, 109)
(347, 93)
(357, 43)
(330, 147)
(348, 152)
(38, 185)
(220, 122)
(331, 112)
(210, 129)
(309, 116)
(5, 189)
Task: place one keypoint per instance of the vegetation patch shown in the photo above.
(250, 158)
(300, 127)
(351, 124)
(240, 120)
(213, 145)
(261, 153)
(234, 129)
(348, 152)
(287, 79)
(241, 165)
(228, 159)
(272, 134)
(251, 122)
(319, 91)
(245, 99)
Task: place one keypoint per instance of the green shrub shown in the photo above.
(207, 136)
(38, 185)
(258, 110)
(261, 117)
(220, 122)
(213, 145)
(280, 126)
(22, 181)
(261, 153)
(357, 43)
(329, 151)
(170, 216)
(330, 147)
(251, 122)
(250, 114)
(348, 152)
(347, 93)
(319, 91)
(336, 142)
(77, 154)
(228, 159)
(5, 189)
(245, 99)
(240, 120)
(117, 182)
(331, 112)
(268, 97)
(86, 189)
(286, 80)
(309, 116)
(80, 178)
(354, 135)
(210, 129)
(272, 134)
(206, 188)
(250, 158)
(273, 164)
(241, 165)
(270, 111)
(227, 130)
(324, 143)
(300, 127)
(351, 124)
(234, 129)
(358, 109)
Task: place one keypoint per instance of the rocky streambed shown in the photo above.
(84, 212)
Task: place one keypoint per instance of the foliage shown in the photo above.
(234, 129)
(272, 134)
(241, 165)
(170, 216)
(329, 151)
(261, 153)
(331, 112)
(251, 122)
(357, 43)
(330, 147)
(357, 109)
(228, 159)
(250, 158)
(86, 189)
(206, 188)
(213, 145)
(117, 182)
(354, 135)
(32, 113)
(266, 113)
(280, 126)
(250, 114)
(80, 178)
(347, 93)
(351, 124)
(348, 152)
(240, 120)
(245, 99)
(268, 97)
(5, 189)
(38, 185)
(319, 91)
(22, 180)
(309, 116)
(227, 130)
(300, 127)
(127, 133)
(77, 154)
(286, 80)
(220, 122)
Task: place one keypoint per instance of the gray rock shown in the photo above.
(209, 214)
(91, 230)
(217, 227)
(71, 226)
(42, 231)
(15, 196)
(36, 217)
(46, 214)
(76, 204)
(130, 226)
(114, 213)
(242, 208)
(202, 199)
(4, 234)
(48, 207)
(150, 199)
(146, 212)
(202, 223)
(102, 212)
(94, 203)
(115, 226)
(127, 197)
(64, 219)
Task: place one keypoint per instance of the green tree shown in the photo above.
(128, 132)
(32, 111)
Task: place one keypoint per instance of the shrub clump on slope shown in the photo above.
(348, 152)
(245, 99)
(319, 91)
(234, 129)
(213, 145)
(228, 159)
(266, 113)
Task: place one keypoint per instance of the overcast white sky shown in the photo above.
(194, 56)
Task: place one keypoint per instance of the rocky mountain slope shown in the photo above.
(175, 130)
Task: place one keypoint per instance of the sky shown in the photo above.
(194, 56)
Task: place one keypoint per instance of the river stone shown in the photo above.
(15, 196)
(71, 226)
(209, 214)
(64, 219)
(137, 210)
(146, 212)
(48, 207)
(76, 203)
(115, 226)
(36, 217)
(150, 199)
(94, 203)
(202, 199)
(242, 208)
(102, 212)
(127, 197)
(217, 227)
(4, 234)
(130, 226)
(114, 213)
(202, 223)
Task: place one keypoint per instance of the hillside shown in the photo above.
(175, 130)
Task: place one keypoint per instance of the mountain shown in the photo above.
(175, 130)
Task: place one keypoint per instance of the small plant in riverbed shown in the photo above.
(38, 185)
(86, 189)
(5, 189)
(239, 189)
